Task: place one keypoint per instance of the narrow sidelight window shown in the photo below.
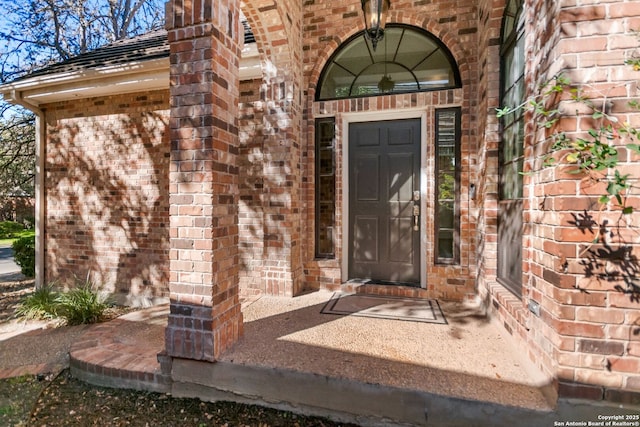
(447, 223)
(325, 186)
(510, 203)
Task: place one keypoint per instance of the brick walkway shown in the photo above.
(124, 352)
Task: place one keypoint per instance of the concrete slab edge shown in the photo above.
(340, 399)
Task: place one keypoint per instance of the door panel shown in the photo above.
(401, 240)
(366, 233)
(384, 172)
(368, 178)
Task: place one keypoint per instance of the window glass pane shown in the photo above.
(445, 244)
(325, 187)
(369, 82)
(512, 137)
(435, 72)
(336, 84)
(513, 63)
(511, 181)
(447, 192)
(445, 216)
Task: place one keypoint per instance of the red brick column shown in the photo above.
(205, 317)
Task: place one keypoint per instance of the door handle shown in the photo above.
(416, 217)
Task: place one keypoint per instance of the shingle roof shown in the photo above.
(152, 45)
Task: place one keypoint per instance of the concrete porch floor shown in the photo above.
(467, 358)
(364, 370)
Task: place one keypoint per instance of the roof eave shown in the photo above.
(99, 81)
(136, 76)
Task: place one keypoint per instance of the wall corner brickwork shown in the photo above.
(584, 288)
(271, 187)
(585, 335)
(588, 322)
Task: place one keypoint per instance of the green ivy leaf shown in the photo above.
(627, 210)
(501, 112)
(572, 157)
(634, 147)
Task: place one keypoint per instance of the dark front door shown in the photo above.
(384, 184)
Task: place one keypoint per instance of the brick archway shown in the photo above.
(275, 215)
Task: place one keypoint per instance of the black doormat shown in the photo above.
(385, 307)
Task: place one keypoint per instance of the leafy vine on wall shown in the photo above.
(594, 154)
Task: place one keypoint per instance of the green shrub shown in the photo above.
(78, 306)
(10, 229)
(39, 305)
(81, 305)
(24, 253)
(29, 222)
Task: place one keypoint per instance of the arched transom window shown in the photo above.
(407, 59)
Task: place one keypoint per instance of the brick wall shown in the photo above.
(489, 19)
(586, 289)
(106, 190)
(251, 208)
(587, 332)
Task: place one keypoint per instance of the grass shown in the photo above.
(80, 306)
(18, 235)
(17, 397)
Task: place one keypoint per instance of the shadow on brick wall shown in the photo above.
(107, 181)
(610, 258)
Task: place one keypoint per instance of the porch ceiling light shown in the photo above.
(375, 17)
